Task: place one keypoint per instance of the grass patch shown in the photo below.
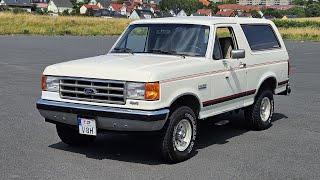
(302, 34)
(61, 25)
(292, 29)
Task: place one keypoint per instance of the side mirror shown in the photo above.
(238, 54)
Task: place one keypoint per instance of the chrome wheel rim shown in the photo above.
(265, 109)
(182, 135)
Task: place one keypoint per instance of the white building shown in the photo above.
(59, 6)
(141, 14)
(84, 8)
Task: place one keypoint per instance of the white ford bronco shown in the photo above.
(165, 75)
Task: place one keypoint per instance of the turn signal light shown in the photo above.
(152, 91)
(43, 83)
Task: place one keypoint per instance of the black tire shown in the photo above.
(252, 113)
(71, 136)
(168, 149)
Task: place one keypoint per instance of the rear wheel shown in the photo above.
(72, 137)
(259, 114)
(178, 141)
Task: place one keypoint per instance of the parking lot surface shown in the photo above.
(31, 149)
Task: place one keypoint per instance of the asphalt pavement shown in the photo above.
(31, 149)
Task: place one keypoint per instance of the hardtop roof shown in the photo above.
(203, 20)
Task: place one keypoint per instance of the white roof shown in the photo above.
(202, 20)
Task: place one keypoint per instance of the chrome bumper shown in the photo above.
(107, 118)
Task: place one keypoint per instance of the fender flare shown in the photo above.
(263, 78)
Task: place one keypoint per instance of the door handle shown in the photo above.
(227, 75)
(242, 65)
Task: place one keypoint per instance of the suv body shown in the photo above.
(166, 74)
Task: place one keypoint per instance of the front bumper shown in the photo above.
(107, 118)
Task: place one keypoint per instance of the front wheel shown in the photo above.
(178, 141)
(259, 114)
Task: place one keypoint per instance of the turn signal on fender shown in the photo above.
(152, 91)
(43, 82)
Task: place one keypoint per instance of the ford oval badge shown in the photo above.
(89, 91)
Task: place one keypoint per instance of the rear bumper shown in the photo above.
(107, 118)
(287, 90)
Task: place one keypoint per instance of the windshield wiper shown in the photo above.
(123, 50)
(159, 51)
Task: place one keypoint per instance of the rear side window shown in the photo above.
(260, 37)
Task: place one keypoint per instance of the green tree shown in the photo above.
(299, 2)
(313, 10)
(297, 11)
(255, 14)
(214, 7)
(189, 6)
(273, 12)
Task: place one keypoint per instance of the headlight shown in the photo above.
(49, 83)
(143, 91)
(135, 91)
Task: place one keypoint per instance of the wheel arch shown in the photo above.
(189, 99)
(268, 80)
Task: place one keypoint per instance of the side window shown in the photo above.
(224, 43)
(260, 37)
(137, 39)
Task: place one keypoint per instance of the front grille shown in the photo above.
(102, 91)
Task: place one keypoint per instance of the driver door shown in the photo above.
(229, 77)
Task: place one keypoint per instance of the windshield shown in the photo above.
(171, 39)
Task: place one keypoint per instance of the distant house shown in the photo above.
(115, 7)
(59, 6)
(41, 6)
(21, 4)
(141, 14)
(84, 8)
(226, 13)
(245, 14)
(92, 2)
(80, 1)
(103, 4)
(182, 13)
(237, 7)
(204, 12)
(161, 14)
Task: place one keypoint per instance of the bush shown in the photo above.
(65, 13)
(18, 10)
(313, 10)
(296, 24)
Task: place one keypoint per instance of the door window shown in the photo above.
(224, 43)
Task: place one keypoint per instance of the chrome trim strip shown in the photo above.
(103, 108)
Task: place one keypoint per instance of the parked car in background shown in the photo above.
(165, 75)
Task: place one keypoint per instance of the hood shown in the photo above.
(136, 67)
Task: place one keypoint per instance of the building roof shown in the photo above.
(42, 5)
(225, 13)
(105, 3)
(91, 6)
(142, 13)
(203, 20)
(279, 7)
(62, 3)
(206, 12)
(116, 6)
(17, 2)
(238, 7)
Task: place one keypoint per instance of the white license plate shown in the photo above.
(87, 126)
